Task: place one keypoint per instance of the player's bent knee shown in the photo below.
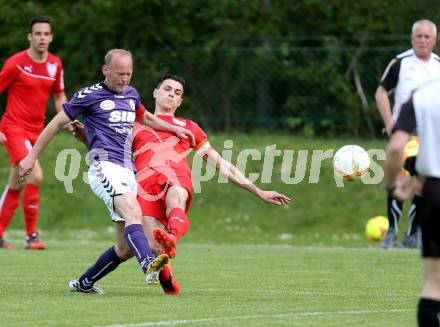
(129, 210)
(132, 218)
(36, 176)
(177, 197)
(16, 186)
(38, 179)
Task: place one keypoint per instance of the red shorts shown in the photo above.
(19, 142)
(152, 194)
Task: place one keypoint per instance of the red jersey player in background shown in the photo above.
(164, 176)
(29, 77)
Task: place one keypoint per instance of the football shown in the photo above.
(377, 228)
(351, 161)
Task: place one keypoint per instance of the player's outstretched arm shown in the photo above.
(156, 123)
(227, 169)
(27, 164)
(58, 100)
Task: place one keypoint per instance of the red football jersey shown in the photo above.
(158, 150)
(29, 84)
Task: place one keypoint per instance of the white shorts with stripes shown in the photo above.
(108, 180)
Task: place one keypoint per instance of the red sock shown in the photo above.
(169, 285)
(30, 207)
(165, 273)
(9, 202)
(178, 222)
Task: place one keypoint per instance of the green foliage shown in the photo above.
(250, 65)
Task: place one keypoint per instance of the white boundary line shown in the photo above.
(280, 315)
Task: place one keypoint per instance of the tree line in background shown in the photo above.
(308, 67)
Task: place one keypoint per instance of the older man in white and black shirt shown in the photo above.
(405, 73)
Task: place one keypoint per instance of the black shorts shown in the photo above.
(410, 165)
(430, 218)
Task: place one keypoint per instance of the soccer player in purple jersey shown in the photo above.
(109, 110)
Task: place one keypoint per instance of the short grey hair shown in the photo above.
(424, 22)
(109, 55)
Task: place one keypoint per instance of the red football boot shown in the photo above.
(5, 245)
(34, 243)
(167, 240)
(169, 284)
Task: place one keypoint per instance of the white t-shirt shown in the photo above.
(422, 111)
(407, 72)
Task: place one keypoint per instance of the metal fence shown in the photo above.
(326, 91)
(305, 90)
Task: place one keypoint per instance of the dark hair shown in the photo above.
(176, 78)
(38, 19)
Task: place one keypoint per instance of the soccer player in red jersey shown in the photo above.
(29, 77)
(164, 176)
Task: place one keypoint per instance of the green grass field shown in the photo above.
(308, 264)
(222, 285)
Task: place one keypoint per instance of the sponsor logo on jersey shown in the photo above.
(28, 69)
(122, 116)
(52, 69)
(107, 105)
(132, 105)
(179, 122)
(117, 96)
